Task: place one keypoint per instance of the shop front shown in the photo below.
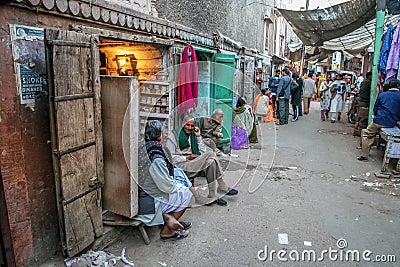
(58, 145)
(69, 92)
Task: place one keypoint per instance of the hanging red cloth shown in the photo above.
(188, 86)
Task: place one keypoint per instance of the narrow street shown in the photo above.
(320, 199)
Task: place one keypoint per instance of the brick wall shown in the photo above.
(25, 158)
(12, 156)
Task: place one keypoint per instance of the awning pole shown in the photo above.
(380, 25)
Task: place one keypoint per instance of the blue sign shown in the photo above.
(31, 83)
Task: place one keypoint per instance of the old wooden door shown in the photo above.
(75, 115)
(222, 90)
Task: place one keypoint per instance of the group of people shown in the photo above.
(333, 97)
(292, 89)
(288, 89)
(168, 167)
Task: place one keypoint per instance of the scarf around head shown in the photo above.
(183, 141)
(240, 110)
(156, 150)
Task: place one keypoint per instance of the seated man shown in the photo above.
(211, 130)
(162, 199)
(189, 153)
(386, 114)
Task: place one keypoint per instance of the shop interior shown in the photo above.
(149, 62)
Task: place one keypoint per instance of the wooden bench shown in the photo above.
(113, 219)
(392, 138)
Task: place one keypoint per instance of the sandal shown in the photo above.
(180, 234)
(186, 225)
(362, 158)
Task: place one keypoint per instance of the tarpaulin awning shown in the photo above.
(360, 39)
(279, 60)
(313, 27)
(293, 47)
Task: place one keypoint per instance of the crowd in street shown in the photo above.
(298, 91)
(333, 92)
(169, 164)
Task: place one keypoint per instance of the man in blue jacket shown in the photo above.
(285, 84)
(386, 115)
(273, 86)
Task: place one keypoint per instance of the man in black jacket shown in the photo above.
(296, 96)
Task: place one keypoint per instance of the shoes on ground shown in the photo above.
(229, 192)
(219, 201)
(362, 158)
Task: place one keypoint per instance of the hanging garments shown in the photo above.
(392, 66)
(383, 58)
(188, 82)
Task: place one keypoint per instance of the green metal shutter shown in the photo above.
(222, 90)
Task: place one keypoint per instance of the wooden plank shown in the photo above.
(82, 218)
(119, 187)
(73, 97)
(68, 43)
(77, 170)
(76, 148)
(72, 74)
(117, 220)
(75, 123)
(133, 135)
(98, 124)
(50, 35)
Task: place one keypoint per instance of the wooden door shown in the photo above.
(76, 128)
(222, 90)
(120, 113)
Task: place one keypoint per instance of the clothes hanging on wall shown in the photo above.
(392, 66)
(188, 81)
(383, 58)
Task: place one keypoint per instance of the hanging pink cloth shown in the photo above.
(188, 86)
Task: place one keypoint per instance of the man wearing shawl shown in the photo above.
(211, 130)
(189, 153)
(162, 198)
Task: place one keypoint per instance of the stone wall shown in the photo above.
(241, 20)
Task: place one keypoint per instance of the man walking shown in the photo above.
(338, 90)
(283, 92)
(309, 88)
(386, 115)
